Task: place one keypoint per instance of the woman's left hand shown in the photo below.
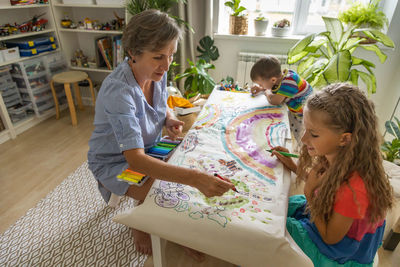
(174, 127)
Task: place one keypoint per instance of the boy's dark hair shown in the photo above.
(266, 68)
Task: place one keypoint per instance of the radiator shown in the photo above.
(246, 60)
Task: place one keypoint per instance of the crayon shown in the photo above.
(284, 153)
(131, 171)
(223, 179)
(163, 147)
(163, 144)
(121, 177)
(159, 150)
(132, 176)
(169, 141)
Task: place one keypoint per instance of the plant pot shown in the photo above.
(238, 25)
(260, 27)
(280, 32)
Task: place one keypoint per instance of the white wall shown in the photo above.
(387, 74)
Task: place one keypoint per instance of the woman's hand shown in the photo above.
(287, 161)
(174, 127)
(210, 185)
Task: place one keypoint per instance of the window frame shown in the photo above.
(300, 16)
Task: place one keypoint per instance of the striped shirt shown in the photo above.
(295, 89)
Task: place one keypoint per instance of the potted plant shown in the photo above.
(136, 6)
(260, 25)
(364, 16)
(391, 149)
(327, 57)
(197, 79)
(237, 21)
(281, 28)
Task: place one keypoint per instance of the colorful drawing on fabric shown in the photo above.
(189, 143)
(208, 116)
(248, 135)
(217, 209)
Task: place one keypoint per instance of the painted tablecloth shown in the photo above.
(229, 137)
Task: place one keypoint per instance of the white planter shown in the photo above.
(280, 32)
(260, 27)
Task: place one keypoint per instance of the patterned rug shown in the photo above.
(71, 226)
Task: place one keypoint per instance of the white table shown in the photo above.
(229, 137)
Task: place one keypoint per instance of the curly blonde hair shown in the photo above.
(348, 110)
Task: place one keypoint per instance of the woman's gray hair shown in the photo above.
(150, 30)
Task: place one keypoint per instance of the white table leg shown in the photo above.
(158, 248)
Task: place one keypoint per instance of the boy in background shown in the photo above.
(281, 87)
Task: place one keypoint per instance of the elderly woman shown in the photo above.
(131, 110)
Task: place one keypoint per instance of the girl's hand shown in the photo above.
(210, 185)
(174, 127)
(256, 89)
(287, 161)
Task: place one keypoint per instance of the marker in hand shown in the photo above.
(284, 153)
(223, 179)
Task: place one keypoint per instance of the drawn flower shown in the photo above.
(242, 210)
(254, 202)
(257, 209)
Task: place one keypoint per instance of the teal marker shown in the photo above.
(284, 153)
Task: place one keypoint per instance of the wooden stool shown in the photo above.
(66, 78)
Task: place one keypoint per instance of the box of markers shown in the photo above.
(163, 149)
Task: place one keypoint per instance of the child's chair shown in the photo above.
(68, 77)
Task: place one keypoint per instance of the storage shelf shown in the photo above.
(27, 58)
(24, 6)
(90, 31)
(91, 69)
(89, 6)
(25, 34)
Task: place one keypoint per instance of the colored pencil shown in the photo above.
(284, 153)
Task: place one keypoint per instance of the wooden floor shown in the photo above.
(42, 157)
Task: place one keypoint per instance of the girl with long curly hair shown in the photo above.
(340, 219)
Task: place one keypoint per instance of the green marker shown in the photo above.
(284, 153)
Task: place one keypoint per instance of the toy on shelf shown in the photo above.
(35, 24)
(88, 24)
(22, 2)
(93, 24)
(119, 23)
(66, 22)
(79, 60)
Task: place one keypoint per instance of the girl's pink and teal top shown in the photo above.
(360, 244)
(295, 89)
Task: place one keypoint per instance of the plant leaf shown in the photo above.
(299, 48)
(338, 68)
(378, 36)
(304, 65)
(369, 81)
(335, 27)
(354, 77)
(382, 56)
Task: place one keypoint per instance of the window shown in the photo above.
(305, 15)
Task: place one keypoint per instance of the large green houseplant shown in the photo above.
(197, 79)
(327, 57)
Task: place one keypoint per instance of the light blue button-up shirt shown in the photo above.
(123, 120)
